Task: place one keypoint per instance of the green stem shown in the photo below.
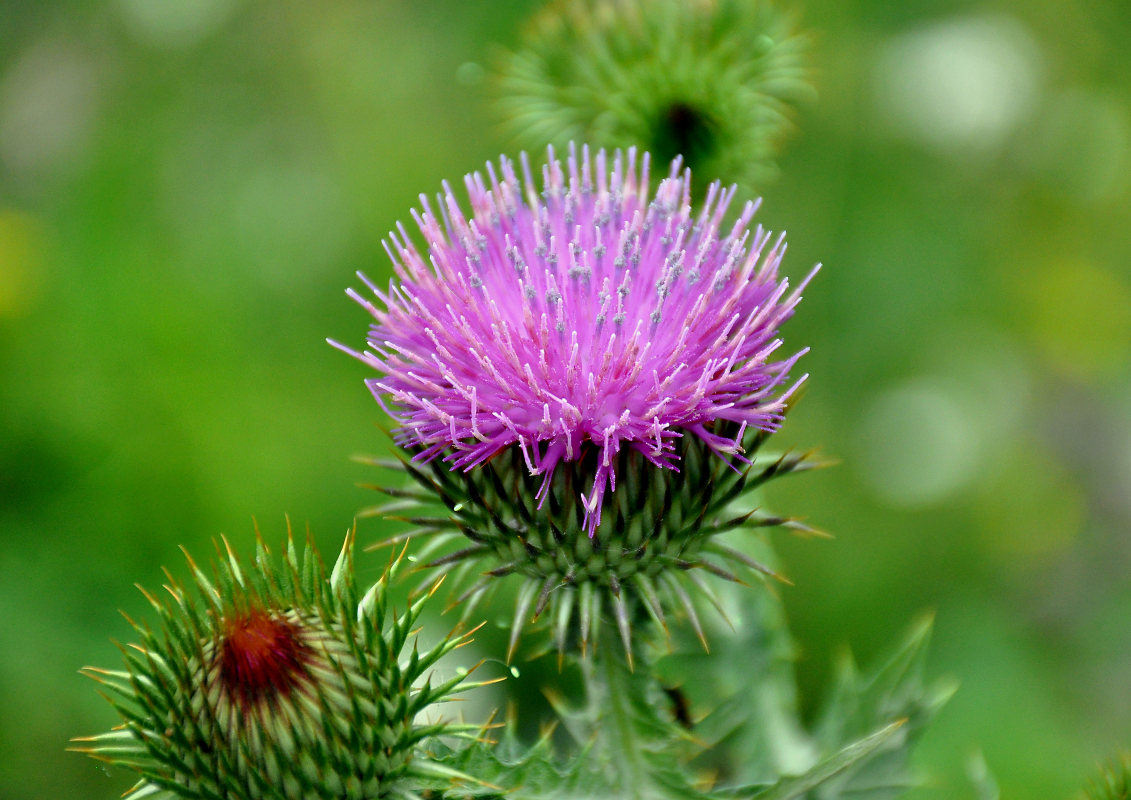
(638, 746)
(610, 686)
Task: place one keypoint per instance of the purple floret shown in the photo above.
(587, 315)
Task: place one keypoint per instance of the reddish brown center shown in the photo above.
(261, 656)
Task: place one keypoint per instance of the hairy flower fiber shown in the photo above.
(589, 317)
(276, 681)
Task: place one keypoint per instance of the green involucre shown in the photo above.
(656, 540)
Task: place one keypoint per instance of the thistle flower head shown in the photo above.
(588, 318)
(710, 80)
(583, 342)
(272, 681)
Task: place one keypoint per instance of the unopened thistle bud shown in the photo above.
(1113, 781)
(712, 81)
(275, 681)
(596, 368)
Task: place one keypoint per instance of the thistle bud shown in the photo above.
(713, 81)
(275, 680)
(1113, 781)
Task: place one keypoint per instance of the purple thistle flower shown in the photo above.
(586, 316)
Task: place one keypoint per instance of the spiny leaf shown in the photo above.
(794, 788)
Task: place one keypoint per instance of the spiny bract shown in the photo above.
(658, 539)
(276, 681)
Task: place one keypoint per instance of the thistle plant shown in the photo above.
(585, 371)
(711, 81)
(276, 680)
(584, 378)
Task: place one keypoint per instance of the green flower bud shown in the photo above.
(276, 681)
(1113, 781)
(712, 81)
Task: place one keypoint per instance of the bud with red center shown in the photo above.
(277, 681)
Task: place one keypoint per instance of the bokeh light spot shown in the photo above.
(959, 86)
(48, 102)
(918, 444)
(1079, 317)
(21, 262)
(1032, 506)
(1081, 144)
(174, 23)
(470, 74)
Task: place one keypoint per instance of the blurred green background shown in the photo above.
(187, 186)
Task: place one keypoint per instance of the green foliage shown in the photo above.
(638, 750)
(624, 746)
(824, 774)
(630, 741)
(744, 703)
(894, 691)
(527, 771)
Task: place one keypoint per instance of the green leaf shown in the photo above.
(791, 788)
(1112, 783)
(978, 771)
(510, 770)
(627, 746)
(742, 694)
(743, 703)
(859, 703)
